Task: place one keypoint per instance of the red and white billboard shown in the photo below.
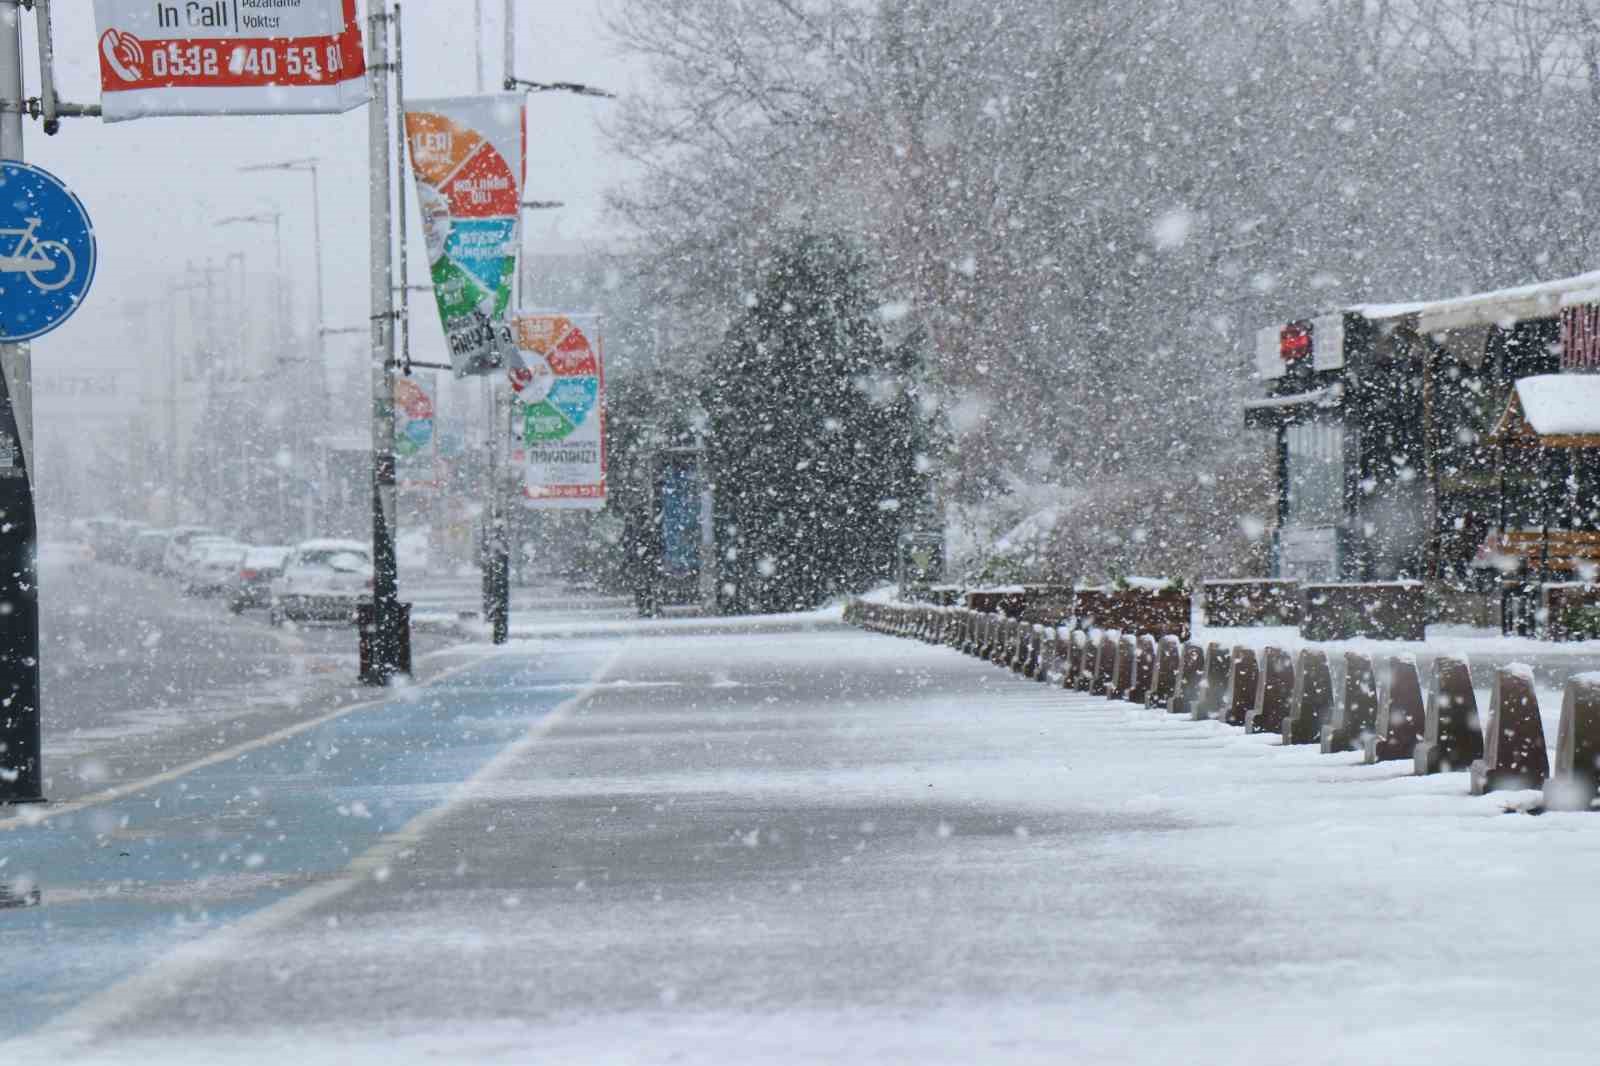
(228, 57)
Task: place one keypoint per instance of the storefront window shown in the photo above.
(1316, 473)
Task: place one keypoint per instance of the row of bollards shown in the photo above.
(1292, 695)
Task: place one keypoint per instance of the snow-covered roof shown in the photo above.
(1542, 299)
(1561, 405)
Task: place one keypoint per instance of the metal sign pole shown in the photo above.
(391, 636)
(21, 757)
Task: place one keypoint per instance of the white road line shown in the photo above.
(32, 816)
(74, 1029)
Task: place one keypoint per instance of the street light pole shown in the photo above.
(319, 380)
(21, 755)
(391, 644)
(498, 402)
(282, 311)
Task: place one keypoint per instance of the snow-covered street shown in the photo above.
(801, 844)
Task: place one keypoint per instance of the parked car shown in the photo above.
(323, 580)
(148, 547)
(213, 566)
(262, 565)
(174, 559)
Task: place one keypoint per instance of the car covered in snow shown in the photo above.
(323, 580)
(262, 565)
(212, 567)
(175, 556)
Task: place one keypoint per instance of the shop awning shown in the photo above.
(1552, 411)
(1297, 407)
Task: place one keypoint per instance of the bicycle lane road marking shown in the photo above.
(29, 817)
(190, 870)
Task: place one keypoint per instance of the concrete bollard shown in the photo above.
(985, 636)
(1452, 737)
(1105, 662)
(1575, 780)
(1219, 664)
(1400, 722)
(1514, 754)
(997, 625)
(1164, 680)
(1274, 691)
(1311, 704)
(1144, 670)
(1032, 642)
(1090, 665)
(1191, 681)
(1077, 651)
(1244, 674)
(1356, 716)
(1122, 672)
(1021, 634)
(1049, 653)
(1014, 639)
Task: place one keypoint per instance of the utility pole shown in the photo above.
(317, 385)
(21, 743)
(391, 636)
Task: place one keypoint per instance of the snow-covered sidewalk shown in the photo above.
(823, 845)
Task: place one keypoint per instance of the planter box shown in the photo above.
(1160, 612)
(1007, 601)
(1048, 605)
(1251, 602)
(1572, 611)
(1382, 610)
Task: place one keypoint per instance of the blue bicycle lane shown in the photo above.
(124, 883)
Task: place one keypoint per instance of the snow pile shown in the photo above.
(1561, 404)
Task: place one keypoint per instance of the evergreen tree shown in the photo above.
(813, 435)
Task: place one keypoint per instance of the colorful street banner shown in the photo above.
(229, 57)
(559, 411)
(467, 156)
(416, 442)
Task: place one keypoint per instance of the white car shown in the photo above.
(175, 557)
(213, 566)
(323, 580)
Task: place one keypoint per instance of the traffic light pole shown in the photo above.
(390, 648)
(21, 756)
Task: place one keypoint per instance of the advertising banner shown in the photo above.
(229, 57)
(467, 157)
(415, 437)
(558, 415)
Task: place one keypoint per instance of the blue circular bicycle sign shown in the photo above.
(47, 252)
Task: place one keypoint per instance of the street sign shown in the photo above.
(245, 57)
(47, 252)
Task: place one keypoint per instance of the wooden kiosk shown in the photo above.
(1548, 535)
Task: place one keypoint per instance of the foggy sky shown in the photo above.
(155, 187)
